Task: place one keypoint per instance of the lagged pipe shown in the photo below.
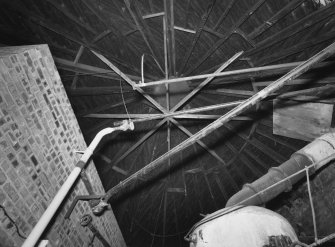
(314, 152)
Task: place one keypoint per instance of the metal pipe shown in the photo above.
(268, 187)
(63, 191)
(148, 169)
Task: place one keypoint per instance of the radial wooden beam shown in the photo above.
(287, 9)
(276, 140)
(298, 48)
(142, 27)
(104, 107)
(259, 145)
(102, 35)
(114, 167)
(259, 161)
(96, 91)
(84, 69)
(130, 82)
(202, 144)
(201, 25)
(68, 14)
(240, 155)
(216, 46)
(171, 44)
(157, 163)
(76, 60)
(122, 39)
(139, 142)
(210, 190)
(205, 82)
(221, 188)
(312, 19)
(236, 92)
(224, 14)
(148, 117)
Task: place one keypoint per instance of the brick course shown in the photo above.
(38, 133)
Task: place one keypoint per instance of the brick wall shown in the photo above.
(38, 136)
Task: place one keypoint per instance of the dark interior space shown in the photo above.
(188, 154)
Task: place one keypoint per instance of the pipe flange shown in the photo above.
(285, 175)
(85, 220)
(251, 187)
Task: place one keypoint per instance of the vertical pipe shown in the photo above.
(63, 191)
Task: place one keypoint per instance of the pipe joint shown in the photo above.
(279, 170)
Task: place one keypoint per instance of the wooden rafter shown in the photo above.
(312, 19)
(88, 69)
(72, 17)
(205, 82)
(298, 48)
(122, 39)
(204, 19)
(157, 163)
(106, 107)
(216, 46)
(224, 14)
(149, 117)
(142, 27)
(130, 82)
(76, 60)
(170, 38)
(201, 143)
(275, 18)
(139, 142)
(259, 145)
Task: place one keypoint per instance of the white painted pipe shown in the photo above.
(43, 222)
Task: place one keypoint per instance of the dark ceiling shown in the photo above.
(201, 35)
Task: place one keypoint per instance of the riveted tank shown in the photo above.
(242, 226)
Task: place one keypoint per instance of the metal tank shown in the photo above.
(242, 226)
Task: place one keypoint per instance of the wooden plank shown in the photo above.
(287, 9)
(303, 121)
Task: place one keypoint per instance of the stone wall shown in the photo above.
(38, 136)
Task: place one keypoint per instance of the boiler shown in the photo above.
(242, 226)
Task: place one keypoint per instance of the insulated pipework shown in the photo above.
(63, 191)
(314, 153)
